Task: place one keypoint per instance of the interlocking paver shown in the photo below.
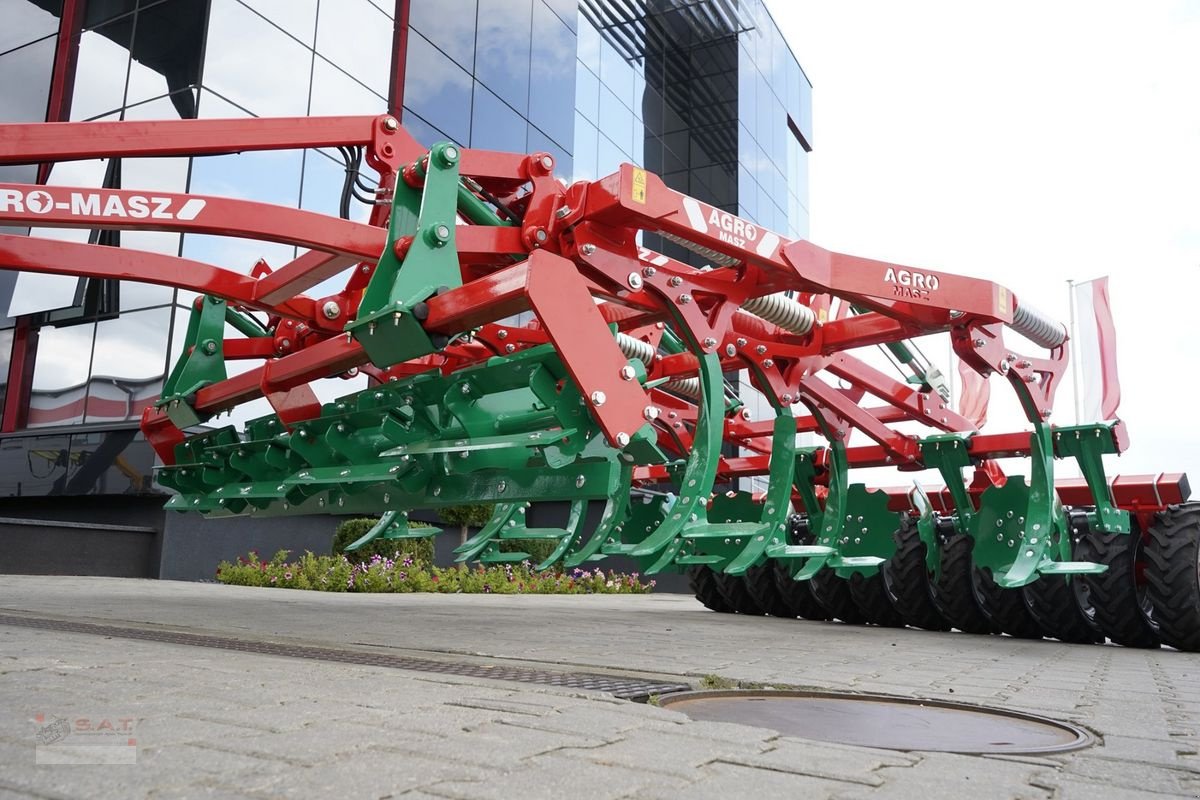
(229, 724)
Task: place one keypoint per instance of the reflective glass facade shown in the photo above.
(706, 94)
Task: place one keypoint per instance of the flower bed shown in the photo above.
(402, 573)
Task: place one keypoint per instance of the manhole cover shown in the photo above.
(888, 722)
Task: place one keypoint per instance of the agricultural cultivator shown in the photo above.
(611, 400)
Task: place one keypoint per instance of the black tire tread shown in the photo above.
(760, 583)
(833, 593)
(703, 583)
(798, 595)
(870, 594)
(1053, 605)
(1005, 607)
(1113, 593)
(1173, 582)
(737, 594)
(908, 581)
(953, 594)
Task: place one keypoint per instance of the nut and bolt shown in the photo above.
(580, 481)
(741, 342)
(768, 363)
(730, 350)
(501, 334)
(331, 310)
(709, 342)
(509, 348)
(675, 280)
(649, 272)
(622, 438)
(684, 299)
(635, 281)
(650, 413)
(761, 349)
(391, 124)
(587, 249)
(598, 398)
(628, 373)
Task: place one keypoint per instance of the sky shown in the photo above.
(1029, 143)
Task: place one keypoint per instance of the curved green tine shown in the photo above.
(385, 522)
(1039, 514)
(501, 516)
(570, 531)
(615, 507)
(701, 469)
(777, 503)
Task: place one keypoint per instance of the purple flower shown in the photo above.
(408, 562)
(487, 589)
(272, 579)
(401, 575)
(287, 576)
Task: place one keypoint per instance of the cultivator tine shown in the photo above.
(389, 521)
(772, 525)
(503, 514)
(568, 535)
(698, 476)
(615, 507)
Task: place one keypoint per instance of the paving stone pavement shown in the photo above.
(216, 723)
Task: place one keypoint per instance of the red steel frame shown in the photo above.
(576, 243)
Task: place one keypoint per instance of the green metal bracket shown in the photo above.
(391, 525)
(868, 536)
(1087, 444)
(949, 453)
(201, 363)
(388, 325)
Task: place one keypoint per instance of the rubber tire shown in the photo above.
(1113, 595)
(908, 580)
(733, 588)
(953, 591)
(798, 595)
(1005, 607)
(760, 583)
(871, 596)
(1173, 575)
(703, 583)
(833, 593)
(1055, 606)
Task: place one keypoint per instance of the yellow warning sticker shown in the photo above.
(639, 186)
(1002, 301)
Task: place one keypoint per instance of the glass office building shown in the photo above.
(704, 92)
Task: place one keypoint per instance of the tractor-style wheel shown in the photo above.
(1005, 607)
(1060, 603)
(1173, 575)
(798, 595)
(703, 582)
(908, 580)
(833, 593)
(870, 594)
(954, 591)
(737, 594)
(760, 584)
(1117, 601)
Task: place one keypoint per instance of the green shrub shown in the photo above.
(351, 530)
(381, 574)
(538, 549)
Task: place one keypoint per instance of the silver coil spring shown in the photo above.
(636, 348)
(1038, 326)
(688, 387)
(784, 311)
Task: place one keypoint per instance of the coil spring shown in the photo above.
(1038, 327)
(636, 348)
(688, 387)
(783, 311)
(700, 250)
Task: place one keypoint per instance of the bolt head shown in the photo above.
(741, 342)
(650, 413)
(675, 280)
(331, 310)
(501, 486)
(598, 398)
(450, 154)
(746, 414)
(768, 363)
(580, 481)
(466, 388)
(628, 373)
(709, 342)
(649, 272)
(761, 349)
(635, 281)
(547, 163)
(509, 348)
(391, 124)
(541, 235)
(562, 212)
(587, 249)
(623, 439)
(730, 350)
(684, 299)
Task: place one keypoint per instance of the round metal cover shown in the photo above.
(893, 723)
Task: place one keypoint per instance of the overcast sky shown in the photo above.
(1028, 143)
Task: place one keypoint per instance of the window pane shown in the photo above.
(128, 365)
(437, 89)
(449, 25)
(334, 92)
(25, 21)
(60, 375)
(26, 84)
(502, 49)
(495, 126)
(297, 17)
(168, 40)
(358, 38)
(100, 72)
(551, 78)
(110, 462)
(33, 465)
(252, 63)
